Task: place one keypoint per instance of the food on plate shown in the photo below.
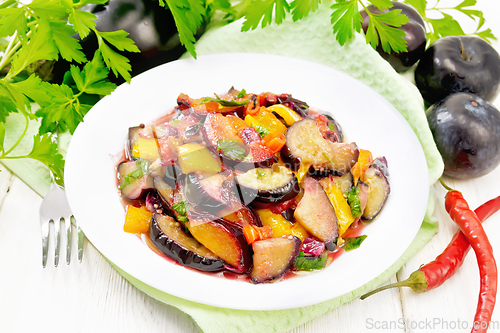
(256, 185)
(458, 64)
(466, 129)
(415, 36)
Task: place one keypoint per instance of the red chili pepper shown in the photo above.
(472, 229)
(435, 273)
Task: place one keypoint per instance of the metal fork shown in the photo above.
(55, 209)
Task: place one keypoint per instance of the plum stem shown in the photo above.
(463, 52)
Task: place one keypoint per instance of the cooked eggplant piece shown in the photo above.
(223, 238)
(168, 236)
(273, 257)
(377, 179)
(172, 173)
(133, 179)
(241, 214)
(142, 143)
(305, 145)
(206, 192)
(335, 131)
(316, 214)
(344, 182)
(269, 185)
(296, 105)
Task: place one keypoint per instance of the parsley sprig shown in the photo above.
(35, 35)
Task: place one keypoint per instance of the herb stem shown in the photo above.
(8, 52)
(7, 3)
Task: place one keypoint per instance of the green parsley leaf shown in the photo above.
(262, 131)
(353, 243)
(241, 94)
(345, 19)
(262, 10)
(12, 20)
(82, 22)
(419, 5)
(181, 208)
(69, 47)
(260, 174)
(45, 150)
(120, 40)
(93, 79)
(232, 149)
(302, 8)
(142, 169)
(116, 62)
(40, 46)
(188, 16)
(384, 26)
(51, 9)
(308, 263)
(223, 102)
(354, 201)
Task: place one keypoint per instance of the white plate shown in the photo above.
(365, 116)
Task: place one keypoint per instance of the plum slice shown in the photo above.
(269, 185)
(133, 179)
(223, 238)
(316, 213)
(168, 236)
(306, 145)
(207, 193)
(377, 179)
(273, 257)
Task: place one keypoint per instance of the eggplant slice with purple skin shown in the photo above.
(305, 145)
(207, 193)
(268, 185)
(377, 179)
(168, 236)
(273, 257)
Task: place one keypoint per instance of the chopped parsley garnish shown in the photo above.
(328, 158)
(181, 208)
(260, 174)
(353, 200)
(232, 149)
(242, 93)
(353, 243)
(331, 126)
(223, 102)
(309, 263)
(262, 130)
(142, 169)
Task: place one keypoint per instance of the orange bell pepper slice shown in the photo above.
(364, 160)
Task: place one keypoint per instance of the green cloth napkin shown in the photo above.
(310, 39)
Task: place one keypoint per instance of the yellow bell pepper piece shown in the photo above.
(146, 148)
(340, 205)
(267, 120)
(137, 220)
(195, 157)
(280, 225)
(288, 115)
(364, 160)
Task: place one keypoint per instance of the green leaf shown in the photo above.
(223, 102)
(12, 20)
(419, 5)
(260, 174)
(40, 46)
(466, 3)
(353, 243)
(241, 94)
(262, 10)
(447, 26)
(52, 9)
(308, 263)
(45, 150)
(384, 26)
(93, 79)
(181, 207)
(119, 40)
(69, 47)
(486, 34)
(6, 104)
(142, 169)
(262, 131)
(354, 201)
(33, 88)
(302, 8)
(2, 136)
(382, 4)
(345, 19)
(232, 149)
(119, 65)
(82, 22)
(189, 16)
